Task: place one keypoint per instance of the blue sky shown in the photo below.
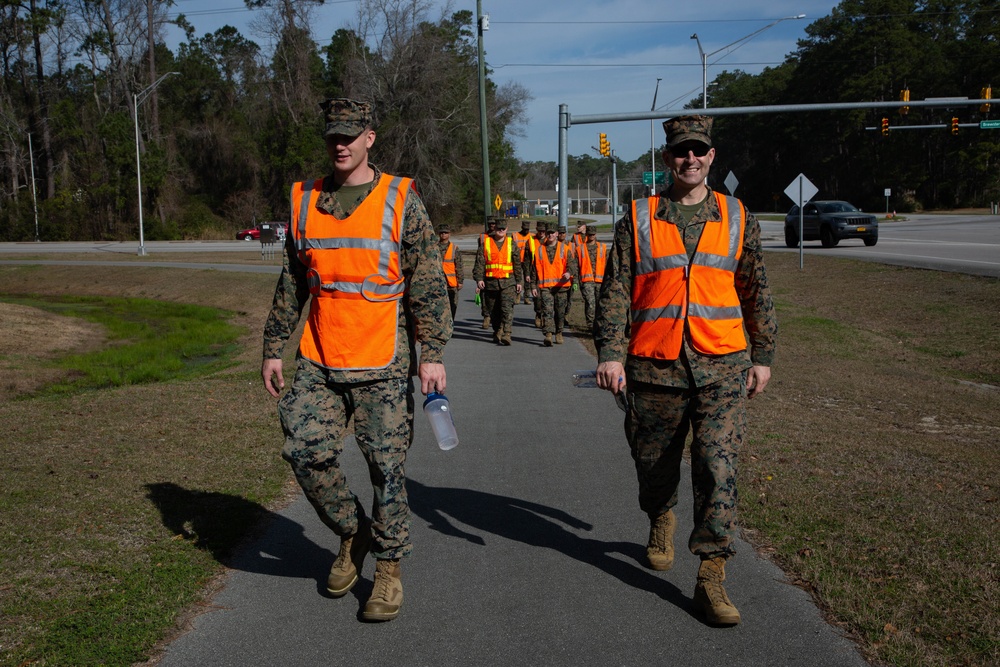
(596, 56)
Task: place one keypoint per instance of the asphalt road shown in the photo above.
(528, 548)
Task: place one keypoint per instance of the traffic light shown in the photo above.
(603, 147)
(954, 125)
(986, 94)
(904, 96)
(885, 127)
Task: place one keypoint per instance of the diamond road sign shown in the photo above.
(989, 125)
(801, 186)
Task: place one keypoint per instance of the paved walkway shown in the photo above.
(528, 548)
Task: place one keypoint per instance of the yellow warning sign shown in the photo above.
(497, 203)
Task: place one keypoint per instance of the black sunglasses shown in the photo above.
(699, 149)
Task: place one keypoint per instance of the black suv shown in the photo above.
(829, 222)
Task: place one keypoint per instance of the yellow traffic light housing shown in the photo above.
(954, 125)
(603, 147)
(885, 127)
(986, 94)
(904, 96)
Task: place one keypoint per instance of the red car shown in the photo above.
(252, 234)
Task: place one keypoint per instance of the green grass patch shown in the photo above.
(148, 341)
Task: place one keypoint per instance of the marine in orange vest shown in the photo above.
(498, 276)
(591, 258)
(361, 254)
(451, 259)
(553, 271)
(526, 246)
(684, 292)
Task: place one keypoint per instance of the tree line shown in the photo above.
(231, 125)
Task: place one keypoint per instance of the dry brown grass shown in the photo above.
(870, 473)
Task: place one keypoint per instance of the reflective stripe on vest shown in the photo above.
(354, 275)
(588, 273)
(669, 291)
(449, 265)
(499, 261)
(550, 272)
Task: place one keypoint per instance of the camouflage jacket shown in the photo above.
(497, 284)
(459, 268)
(425, 314)
(691, 368)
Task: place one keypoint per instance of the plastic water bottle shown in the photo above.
(588, 380)
(439, 413)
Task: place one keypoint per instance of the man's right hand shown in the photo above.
(271, 370)
(611, 376)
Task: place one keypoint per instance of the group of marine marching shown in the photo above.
(542, 268)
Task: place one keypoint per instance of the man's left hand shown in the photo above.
(432, 378)
(757, 379)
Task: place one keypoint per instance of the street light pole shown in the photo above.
(706, 56)
(136, 99)
(652, 142)
(483, 24)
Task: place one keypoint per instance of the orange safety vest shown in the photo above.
(499, 262)
(449, 265)
(588, 273)
(354, 275)
(525, 241)
(550, 273)
(670, 291)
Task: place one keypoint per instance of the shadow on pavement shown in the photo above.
(218, 522)
(536, 525)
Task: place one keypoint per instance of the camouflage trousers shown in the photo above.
(657, 424)
(453, 301)
(553, 309)
(499, 305)
(316, 415)
(589, 291)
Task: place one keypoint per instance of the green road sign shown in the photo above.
(989, 125)
(647, 177)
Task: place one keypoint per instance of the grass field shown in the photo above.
(870, 473)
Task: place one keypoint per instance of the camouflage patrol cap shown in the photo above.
(525, 225)
(491, 221)
(501, 223)
(561, 228)
(591, 230)
(688, 128)
(444, 228)
(346, 116)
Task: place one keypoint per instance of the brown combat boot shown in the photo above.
(505, 337)
(486, 322)
(538, 321)
(548, 339)
(709, 595)
(387, 594)
(660, 548)
(350, 560)
(559, 340)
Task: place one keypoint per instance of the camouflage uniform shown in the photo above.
(589, 290)
(498, 294)
(705, 393)
(317, 411)
(553, 298)
(459, 273)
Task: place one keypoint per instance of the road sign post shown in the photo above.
(800, 191)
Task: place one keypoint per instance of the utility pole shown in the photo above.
(483, 23)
